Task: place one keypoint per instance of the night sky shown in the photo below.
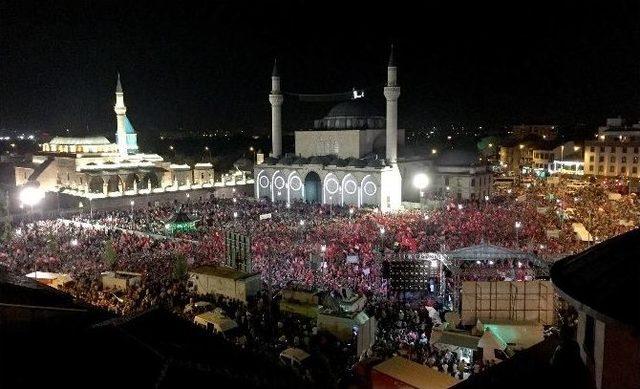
(207, 65)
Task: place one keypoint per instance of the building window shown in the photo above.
(592, 149)
(591, 158)
(602, 149)
(635, 150)
(473, 182)
(635, 159)
(446, 180)
(600, 169)
(634, 170)
(612, 169)
(624, 159)
(612, 159)
(590, 168)
(601, 158)
(589, 335)
(623, 169)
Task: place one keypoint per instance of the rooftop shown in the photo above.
(604, 279)
(89, 140)
(415, 374)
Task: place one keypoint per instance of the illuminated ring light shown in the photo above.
(264, 182)
(354, 187)
(278, 182)
(370, 188)
(295, 183)
(334, 182)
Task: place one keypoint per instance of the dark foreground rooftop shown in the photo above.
(47, 339)
(605, 279)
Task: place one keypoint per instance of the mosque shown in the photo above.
(350, 157)
(96, 168)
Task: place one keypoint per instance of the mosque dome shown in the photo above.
(352, 114)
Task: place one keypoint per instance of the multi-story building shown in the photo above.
(553, 157)
(461, 175)
(615, 152)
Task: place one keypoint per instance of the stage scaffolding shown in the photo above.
(410, 272)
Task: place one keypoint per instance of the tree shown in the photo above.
(180, 267)
(109, 254)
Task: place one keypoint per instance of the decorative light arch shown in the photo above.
(368, 188)
(349, 187)
(273, 185)
(294, 183)
(331, 186)
(260, 183)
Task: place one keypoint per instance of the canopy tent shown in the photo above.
(180, 222)
(54, 280)
(486, 252)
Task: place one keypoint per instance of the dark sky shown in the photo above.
(207, 65)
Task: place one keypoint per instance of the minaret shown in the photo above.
(392, 93)
(121, 110)
(276, 98)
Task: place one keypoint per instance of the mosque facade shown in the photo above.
(95, 167)
(337, 162)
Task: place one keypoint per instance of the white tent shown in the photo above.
(614, 196)
(489, 343)
(581, 232)
(217, 319)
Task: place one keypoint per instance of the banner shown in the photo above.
(265, 216)
(352, 259)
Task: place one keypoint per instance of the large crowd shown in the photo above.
(306, 246)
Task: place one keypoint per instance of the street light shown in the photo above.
(518, 225)
(421, 181)
(132, 203)
(31, 195)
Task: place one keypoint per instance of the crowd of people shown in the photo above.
(307, 246)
